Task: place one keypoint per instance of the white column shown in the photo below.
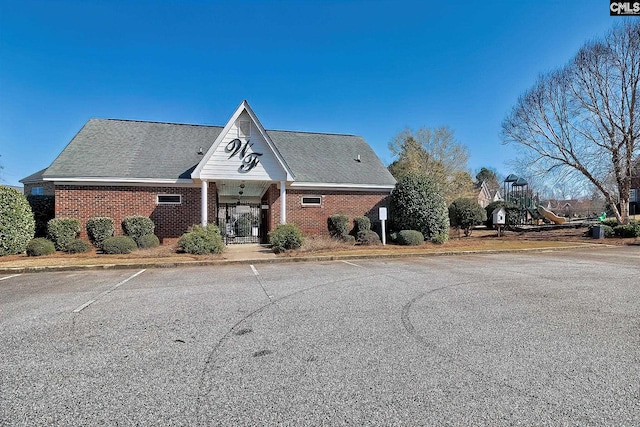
(204, 202)
(283, 202)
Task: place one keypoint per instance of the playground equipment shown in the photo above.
(551, 216)
(517, 191)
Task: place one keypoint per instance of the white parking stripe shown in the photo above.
(350, 263)
(88, 303)
(254, 270)
(9, 277)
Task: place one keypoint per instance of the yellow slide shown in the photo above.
(551, 216)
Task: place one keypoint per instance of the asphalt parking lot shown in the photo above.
(525, 339)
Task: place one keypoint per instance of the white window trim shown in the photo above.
(158, 202)
(311, 204)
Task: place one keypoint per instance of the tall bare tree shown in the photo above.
(435, 153)
(583, 121)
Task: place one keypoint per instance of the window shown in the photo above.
(312, 201)
(244, 128)
(633, 195)
(169, 199)
(37, 191)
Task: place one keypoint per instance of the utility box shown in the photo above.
(499, 216)
(598, 231)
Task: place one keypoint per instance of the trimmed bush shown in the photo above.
(119, 245)
(201, 240)
(78, 246)
(361, 223)
(608, 231)
(100, 228)
(440, 238)
(610, 222)
(629, 230)
(17, 226)
(148, 241)
(338, 225)
(368, 238)
(416, 204)
(63, 231)
(409, 238)
(466, 213)
(40, 246)
(44, 209)
(286, 237)
(136, 226)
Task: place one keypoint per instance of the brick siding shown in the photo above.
(312, 220)
(84, 202)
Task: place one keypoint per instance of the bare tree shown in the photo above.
(583, 121)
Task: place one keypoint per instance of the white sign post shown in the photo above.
(382, 214)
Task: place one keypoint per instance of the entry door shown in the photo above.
(240, 223)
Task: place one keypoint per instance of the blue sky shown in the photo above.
(369, 68)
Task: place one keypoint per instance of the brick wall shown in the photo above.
(312, 220)
(84, 202)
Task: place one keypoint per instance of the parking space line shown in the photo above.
(9, 277)
(255, 271)
(108, 291)
(350, 263)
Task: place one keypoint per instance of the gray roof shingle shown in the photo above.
(108, 148)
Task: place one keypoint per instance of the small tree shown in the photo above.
(416, 204)
(17, 225)
(466, 213)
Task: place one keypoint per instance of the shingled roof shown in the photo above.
(127, 149)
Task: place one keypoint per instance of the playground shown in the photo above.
(531, 214)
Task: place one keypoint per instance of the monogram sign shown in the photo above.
(249, 159)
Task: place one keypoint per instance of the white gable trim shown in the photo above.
(244, 106)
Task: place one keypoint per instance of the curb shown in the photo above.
(311, 258)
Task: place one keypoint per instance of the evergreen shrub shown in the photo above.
(368, 238)
(338, 225)
(136, 226)
(286, 237)
(100, 228)
(416, 204)
(40, 246)
(17, 226)
(629, 230)
(466, 213)
(78, 246)
(361, 223)
(119, 245)
(511, 210)
(148, 241)
(608, 231)
(610, 222)
(409, 238)
(199, 240)
(63, 231)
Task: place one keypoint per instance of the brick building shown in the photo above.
(242, 177)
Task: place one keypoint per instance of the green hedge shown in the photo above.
(360, 224)
(629, 230)
(136, 226)
(63, 231)
(17, 226)
(201, 240)
(78, 246)
(119, 245)
(40, 246)
(409, 238)
(286, 237)
(148, 241)
(100, 228)
(338, 225)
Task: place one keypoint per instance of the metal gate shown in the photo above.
(240, 223)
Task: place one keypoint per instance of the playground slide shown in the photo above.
(551, 216)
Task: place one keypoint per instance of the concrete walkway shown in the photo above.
(248, 252)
